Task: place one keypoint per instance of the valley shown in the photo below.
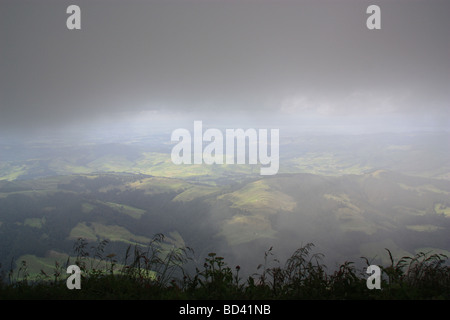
(128, 197)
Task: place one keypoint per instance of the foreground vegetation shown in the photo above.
(153, 272)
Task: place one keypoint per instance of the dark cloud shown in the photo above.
(219, 57)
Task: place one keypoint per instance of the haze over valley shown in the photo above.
(350, 195)
(86, 118)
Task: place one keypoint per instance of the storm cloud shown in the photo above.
(219, 58)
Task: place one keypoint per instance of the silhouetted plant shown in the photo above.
(157, 271)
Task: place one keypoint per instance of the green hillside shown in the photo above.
(352, 197)
(360, 212)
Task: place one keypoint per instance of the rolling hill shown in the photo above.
(351, 195)
(346, 216)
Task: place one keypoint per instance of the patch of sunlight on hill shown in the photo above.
(324, 164)
(342, 199)
(87, 207)
(130, 211)
(421, 190)
(30, 193)
(195, 192)
(55, 262)
(352, 221)
(150, 163)
(51, 263)
(378, 174)
(11, 172)
(424, 228)
(241, 229)
(34, 222)
(259, 196)
(442, 209)
(409, 211)
(175, 239)
(95, 231)
(350, 216)
(160, 164)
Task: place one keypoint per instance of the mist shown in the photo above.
(300, 62)
(86, 118)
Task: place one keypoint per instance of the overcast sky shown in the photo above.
(222, 59)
